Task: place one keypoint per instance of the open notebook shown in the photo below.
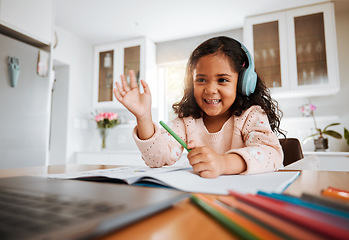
(185, 179)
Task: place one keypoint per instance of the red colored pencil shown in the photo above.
(288, 228)
(294, 214)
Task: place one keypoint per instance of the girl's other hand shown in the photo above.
(139, 104)
(205, 161)
(209, 164)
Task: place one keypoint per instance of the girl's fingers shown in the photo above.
(208, 174)
(133, 82)
(199, 167)
(204, 170)
(191, 144)
(145, 86)
(194, 157)
(125, 86)
(194, 144)
(117, 93)
(122, 89)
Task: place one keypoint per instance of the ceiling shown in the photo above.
(103, 21)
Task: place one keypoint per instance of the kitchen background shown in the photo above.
(38, 126)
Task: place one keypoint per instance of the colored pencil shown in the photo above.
(299, 215)
(222, 219)
(321, 217)
(336, 193)
(300, 202)
(254, 230)
(169, 130)
(292, 230)
(342, 206)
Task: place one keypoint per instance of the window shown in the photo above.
(171, 77)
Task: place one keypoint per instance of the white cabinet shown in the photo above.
(112, 60)
(295, 51)
(34, 18)
(330, 161)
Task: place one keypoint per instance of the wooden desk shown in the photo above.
(185, 220)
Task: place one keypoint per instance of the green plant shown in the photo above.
(326, 131)
(346, 135)
(308, 110)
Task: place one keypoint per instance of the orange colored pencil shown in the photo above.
(338, 190)
(282, 225)
(245, 223)
(336, 193)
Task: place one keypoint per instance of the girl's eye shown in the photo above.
(200, 80)
(223, 80)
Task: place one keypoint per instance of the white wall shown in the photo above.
(179, 50)
(77, 54)
(59, 114)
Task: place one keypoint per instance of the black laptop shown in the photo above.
(44, 208)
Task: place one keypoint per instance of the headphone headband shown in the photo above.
(250, 60)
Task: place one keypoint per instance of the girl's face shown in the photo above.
(215, 85)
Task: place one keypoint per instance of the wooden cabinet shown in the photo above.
(295, 51)
(112, 60)
(33, 19)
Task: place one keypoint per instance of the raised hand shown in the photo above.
(139, 104)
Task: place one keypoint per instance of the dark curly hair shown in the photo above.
(238, 59)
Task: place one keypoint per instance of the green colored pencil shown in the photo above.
(169, 130)
(221, 218)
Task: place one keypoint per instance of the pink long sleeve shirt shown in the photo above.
(248, 135)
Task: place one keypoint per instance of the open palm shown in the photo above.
(137, 103)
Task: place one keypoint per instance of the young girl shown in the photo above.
(227, 130)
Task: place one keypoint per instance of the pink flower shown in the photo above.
(307, 109)
(312, 107)
(112, 116)
(106, 120)
(98, 118)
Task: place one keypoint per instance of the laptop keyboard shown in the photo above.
(24, 215)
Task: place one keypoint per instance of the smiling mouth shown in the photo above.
(212, 101)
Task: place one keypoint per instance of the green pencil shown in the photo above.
(169, 130)
(222, 219)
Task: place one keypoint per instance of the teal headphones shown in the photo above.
(248, 77)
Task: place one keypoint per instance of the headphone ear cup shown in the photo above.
(241, 81)
(247, 82)
(248, 77)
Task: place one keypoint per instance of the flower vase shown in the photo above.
(321, 144)
(104, 133)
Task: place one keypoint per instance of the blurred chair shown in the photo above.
(292, 150)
